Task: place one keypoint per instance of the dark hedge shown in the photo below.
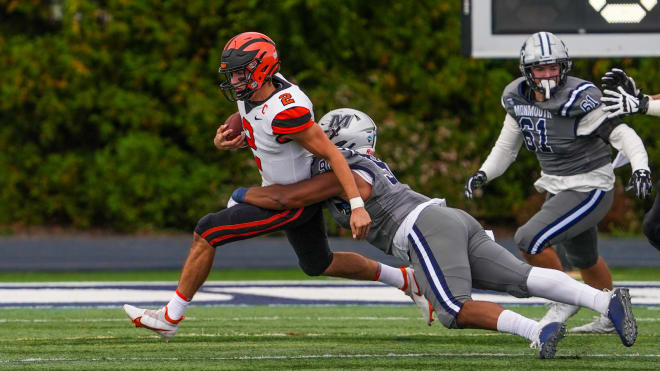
(109, 108)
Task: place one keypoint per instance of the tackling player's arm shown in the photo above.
(654, 105)
(315, 141)
(304, 193)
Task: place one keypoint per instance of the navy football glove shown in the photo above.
(477, 180)
(640, 181)
(617, 77)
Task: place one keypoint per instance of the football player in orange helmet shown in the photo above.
(279, 128)
(249, 60)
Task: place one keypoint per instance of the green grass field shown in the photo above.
(297, 337)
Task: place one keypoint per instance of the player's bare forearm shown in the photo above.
(292, 196)
(315, 141)
(301, 194)
(266, 197)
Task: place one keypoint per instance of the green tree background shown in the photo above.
(108, 108)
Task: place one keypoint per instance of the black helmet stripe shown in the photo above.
(254, 41)
(229, 42)
(273, 68)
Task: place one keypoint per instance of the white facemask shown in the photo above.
(547, 85)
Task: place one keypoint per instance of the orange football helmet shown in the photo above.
(248, 60)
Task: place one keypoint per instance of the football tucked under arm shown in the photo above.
(229, 135)
(235, 124)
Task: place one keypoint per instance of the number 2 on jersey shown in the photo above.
(249, 138)
(286, 99)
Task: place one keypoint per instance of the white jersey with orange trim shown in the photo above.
(287, 111)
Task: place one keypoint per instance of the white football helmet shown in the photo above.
(544, 48)
(350, 128)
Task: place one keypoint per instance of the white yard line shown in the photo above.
(109, 294)
(310, 356)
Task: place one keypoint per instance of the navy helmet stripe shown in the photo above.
(541, 42)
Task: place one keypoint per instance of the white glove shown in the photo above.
(619, 103)
(621, 96)
(641, 183)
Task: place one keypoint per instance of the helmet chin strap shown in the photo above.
(547, 85)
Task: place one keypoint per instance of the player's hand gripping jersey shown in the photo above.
(287, 111)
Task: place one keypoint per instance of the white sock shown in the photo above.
(558, 286)
(177, 305)
(390, 275)
(514, 323)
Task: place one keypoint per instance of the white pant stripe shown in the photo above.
(548, 234)
(426, 261)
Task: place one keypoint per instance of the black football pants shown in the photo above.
(304, 228)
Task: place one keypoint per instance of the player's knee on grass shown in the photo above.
(447, 319)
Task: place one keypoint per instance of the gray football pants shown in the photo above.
(569, 218)
(451, 254)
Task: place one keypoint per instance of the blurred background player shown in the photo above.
(446, 244)
(280, 129)
(559, 117)
(622, 97)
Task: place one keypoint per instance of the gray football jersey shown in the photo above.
(549, 128)
(389, 204)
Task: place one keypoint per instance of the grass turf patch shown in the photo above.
(285, 337)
